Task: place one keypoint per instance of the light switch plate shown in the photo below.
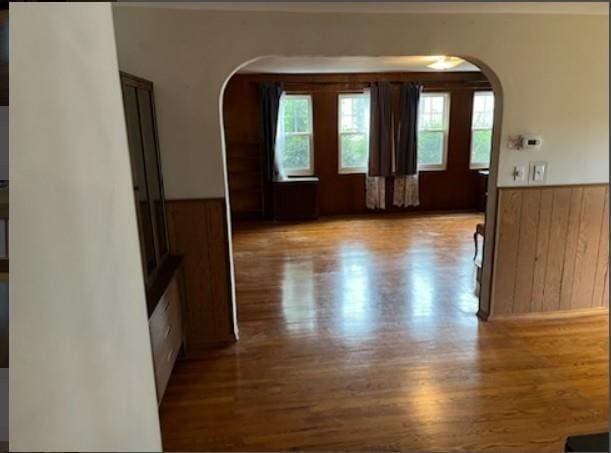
(537, 172)
(519, 174)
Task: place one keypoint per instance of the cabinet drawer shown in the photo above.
(164, 358)
(166, 315)
(166, 334)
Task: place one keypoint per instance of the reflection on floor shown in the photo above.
(360, 334)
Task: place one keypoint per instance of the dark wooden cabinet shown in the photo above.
(482, 189)
(138, 101)
(295, 198)
(162, 271)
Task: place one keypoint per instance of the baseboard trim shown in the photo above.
(483, 315)
(203, 350)
(544, 315)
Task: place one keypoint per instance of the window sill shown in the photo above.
(352, 171)
(432, 168)
(296, 179)
(296, 174)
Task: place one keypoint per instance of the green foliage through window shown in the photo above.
(430, 147)
(481, 128)
(432, 128)
(295, 152)
(354, 131)
(293, 139)
(481, 143)
(354, 150)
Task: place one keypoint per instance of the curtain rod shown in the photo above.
(392, 82)
(428, 84)
(303, 88)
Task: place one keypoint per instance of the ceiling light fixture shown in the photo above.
(444, 63)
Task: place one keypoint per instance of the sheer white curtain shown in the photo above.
(375, 188)
(405, 191)
(280, 138)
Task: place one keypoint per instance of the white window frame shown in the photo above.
(479, 165)
(301, 171)
(445, 129)
(341, 169)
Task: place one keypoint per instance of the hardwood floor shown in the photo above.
(361, 334)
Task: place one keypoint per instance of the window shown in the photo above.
(433, 120)
(481, 129)
(294, 136)
(353, 132)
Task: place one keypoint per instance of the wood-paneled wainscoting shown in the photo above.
(198, 231)
(552, 248)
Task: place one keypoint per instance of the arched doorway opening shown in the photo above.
(246, 140)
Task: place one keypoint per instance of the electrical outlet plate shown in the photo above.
(537, 172)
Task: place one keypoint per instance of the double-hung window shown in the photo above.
(353, 127)
(294, 136)
(433, 125)
(481, 129)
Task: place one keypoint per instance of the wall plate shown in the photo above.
(537, 172)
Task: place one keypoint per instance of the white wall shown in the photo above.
(553, 70)
(81, 373)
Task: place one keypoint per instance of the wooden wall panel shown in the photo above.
(570, 252)
(456, 188)
(601, 278)
(243, 145)
(198, 231)
(526, 253)
(561, 202)
(552, 249)
(542, 247)
(588, 242)
(510, 208)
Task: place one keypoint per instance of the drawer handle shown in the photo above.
(167, 332)
(170, 354)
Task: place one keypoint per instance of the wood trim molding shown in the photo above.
(564, 314)
(554, 186)
(198, 231)
(135, 81)
(482, 314)
(552, 249)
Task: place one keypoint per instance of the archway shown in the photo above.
(490, 211)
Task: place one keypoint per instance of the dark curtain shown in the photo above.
(407, 137)
(381, 130)
(269, 103)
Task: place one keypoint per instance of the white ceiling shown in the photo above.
(318, 65)
(391, 7)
